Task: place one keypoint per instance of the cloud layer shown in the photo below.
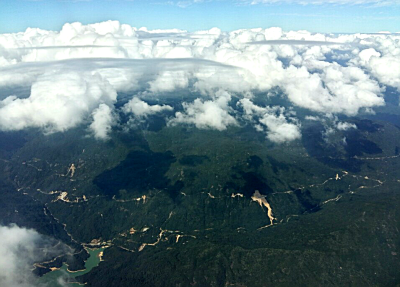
(209, 114)
(75, 75)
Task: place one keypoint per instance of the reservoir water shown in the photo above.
(54, 278)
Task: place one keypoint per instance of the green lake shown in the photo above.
(51, 278)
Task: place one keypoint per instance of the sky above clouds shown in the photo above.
(336, 16)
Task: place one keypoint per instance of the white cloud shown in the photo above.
(210, 114)
(141, 109)
(336, 89)
(103, 120)
(312, 118)
(279, 130)
(169, 81)
(74, 71)
(58, 101)
(19, 249)
(384, 66)
(278, 127)
(343, 126)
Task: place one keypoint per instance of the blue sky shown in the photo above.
(314, 15)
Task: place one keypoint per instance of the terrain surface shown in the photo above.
(180, 206)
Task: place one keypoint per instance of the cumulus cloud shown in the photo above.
(141, 109)
(103, 120)
(74, 74)
(272, 119)
(19, 249)
(336, 89)
(58, 101)
(343, 126)
(210, 114)
(385, 66)
(169, 81)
